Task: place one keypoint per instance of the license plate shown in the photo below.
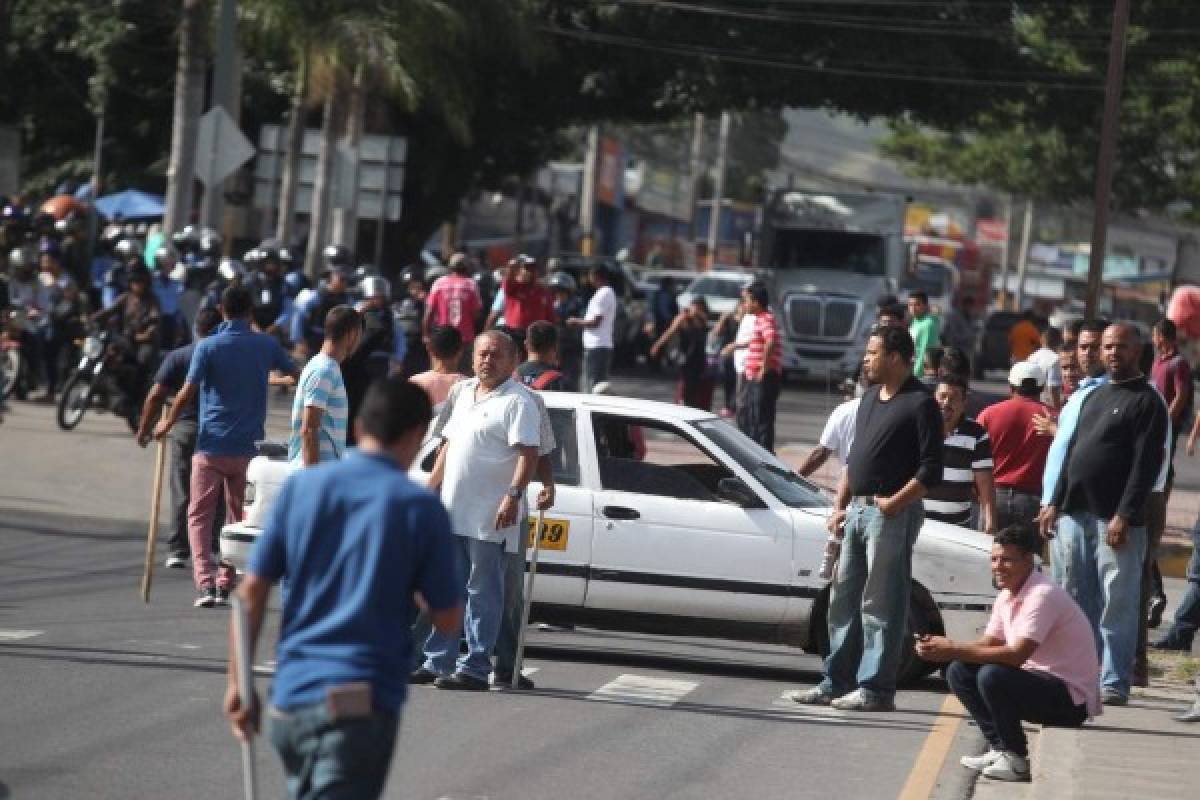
(554, 533)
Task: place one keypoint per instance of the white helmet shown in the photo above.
(375, 286)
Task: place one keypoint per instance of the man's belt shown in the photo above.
(863, 499)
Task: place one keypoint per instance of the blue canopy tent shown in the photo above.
(131, 204)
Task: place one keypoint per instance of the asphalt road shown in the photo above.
(106, 697)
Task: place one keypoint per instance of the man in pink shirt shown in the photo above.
(1035, 662)
(454, 300)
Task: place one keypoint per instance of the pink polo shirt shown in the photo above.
(1044, 613)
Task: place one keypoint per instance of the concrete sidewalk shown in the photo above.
(1137, 751)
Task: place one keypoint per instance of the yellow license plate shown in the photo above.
(554, 533)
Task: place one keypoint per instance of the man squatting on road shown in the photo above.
(354, 539)
(895, 460)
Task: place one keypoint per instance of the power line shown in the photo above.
(762, 61)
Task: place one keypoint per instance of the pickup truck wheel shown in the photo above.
(923, 617)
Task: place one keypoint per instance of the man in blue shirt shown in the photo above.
(355, 539)
(172, 373)
(229, 372)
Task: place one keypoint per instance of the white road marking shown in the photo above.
(16, 636)
(266, 668)
(643, 691)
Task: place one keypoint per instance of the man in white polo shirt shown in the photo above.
(597, 324)
(491, 454)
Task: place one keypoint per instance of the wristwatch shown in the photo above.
(514, 492)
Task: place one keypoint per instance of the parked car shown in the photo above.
(669, 520)
(720, 288)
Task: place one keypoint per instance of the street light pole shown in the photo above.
(1108, 144)
(718, 196)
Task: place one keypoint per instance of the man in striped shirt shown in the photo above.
(320, 412)
(763, 373)
(966, 462)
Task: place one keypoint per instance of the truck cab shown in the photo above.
(829, 257)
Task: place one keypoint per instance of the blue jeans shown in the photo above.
(868, 600)
(514, 606)
(1106, 583)
(1187, 616)
(331, 759)
(481, 621)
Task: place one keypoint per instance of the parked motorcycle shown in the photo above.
(95, 383)
(16, 373)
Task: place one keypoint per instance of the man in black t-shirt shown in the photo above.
(896, 458)
(172, 374)
(541, 371)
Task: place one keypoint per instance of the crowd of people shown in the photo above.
(1075, 466)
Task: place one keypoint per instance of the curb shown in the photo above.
(1173, 558)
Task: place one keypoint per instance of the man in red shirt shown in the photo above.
(1018, 449)
(526, 300)
(454, 300)
(763, 373)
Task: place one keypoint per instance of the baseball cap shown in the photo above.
(1026, 371)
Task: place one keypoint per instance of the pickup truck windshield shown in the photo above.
(778, 478)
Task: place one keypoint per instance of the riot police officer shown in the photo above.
(308, 321)
(266, 283)
(409, 312)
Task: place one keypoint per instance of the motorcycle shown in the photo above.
(94, 383)
(16, 373)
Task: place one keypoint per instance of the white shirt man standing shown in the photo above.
(491, 453)
(597, 324)
(836, 438)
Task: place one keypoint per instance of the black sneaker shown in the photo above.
(460, 681)
(222, 597)
(505, 682)
(1167, 643)
(422, 677)
(207, 598)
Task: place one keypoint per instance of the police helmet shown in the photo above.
(375, 286)
(210, 243)
(409, 275)
(49, 247)
(337, 255)
(165, 257)
(231, 270)
(18, 260)
(127, 249)
(562, 281)
(186, 240)
(253, 258)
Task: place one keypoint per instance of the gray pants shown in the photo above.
(596, 364)
(1014, 507)
(182, 444)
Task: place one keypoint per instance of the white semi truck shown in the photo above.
(828, 257)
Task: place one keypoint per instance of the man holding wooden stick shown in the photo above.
(355, 539)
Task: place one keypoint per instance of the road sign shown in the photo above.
(220, 147)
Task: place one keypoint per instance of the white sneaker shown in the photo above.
(1008, 767)
(175, 562)
(981, 762)
(809, 697)
(863, 700)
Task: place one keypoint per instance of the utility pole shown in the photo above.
(1002, 297)
(1023, 256)
(1107, 156)
(587, 199)
(714, 213)
(222, 95)
(696, 167)
(97, 159)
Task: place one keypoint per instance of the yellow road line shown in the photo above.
(923, 777)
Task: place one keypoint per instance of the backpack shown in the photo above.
(545, 379)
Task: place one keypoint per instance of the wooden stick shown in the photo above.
(152, 532)
(245, 672)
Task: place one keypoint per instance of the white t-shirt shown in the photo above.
(482, 440)
(838, 435)
(745, 333)
(604, 305)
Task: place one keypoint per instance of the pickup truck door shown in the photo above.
(664, 544)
